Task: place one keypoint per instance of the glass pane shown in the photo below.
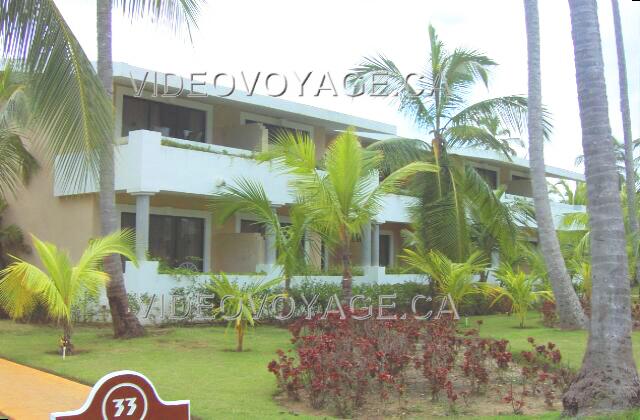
(135, 114)
(385, 250)
(189, 241)
(250, 226)
(170, 120)
(162, 239)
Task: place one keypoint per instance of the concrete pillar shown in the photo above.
(143, 210)
(375, 248)
(366, 245)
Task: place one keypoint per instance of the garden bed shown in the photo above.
(399, 369)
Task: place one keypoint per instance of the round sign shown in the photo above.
(124, 401)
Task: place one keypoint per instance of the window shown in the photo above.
(174, 239)
(171, 120)
(385, 250)
(250, 226)
(275, 130)
(490, 177)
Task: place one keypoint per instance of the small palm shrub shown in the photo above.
(451, 278)
(237, 302)
(60, 284)
(521, 289)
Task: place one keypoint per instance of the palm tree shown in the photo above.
(175, 13)
(71, 117)
(238, 302)
(570, 314)
(630, 171)
(60, 283)
(522, 290)
(344, 195)
(454, 279)
(440, 105)
(249, 197)
(16, 162)
(608, 379)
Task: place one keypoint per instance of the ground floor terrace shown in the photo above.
(180, 231)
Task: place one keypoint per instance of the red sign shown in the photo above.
(126, 395)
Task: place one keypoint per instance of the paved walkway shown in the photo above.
(31, 394)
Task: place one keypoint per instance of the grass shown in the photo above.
(183, 363)
(195, 362)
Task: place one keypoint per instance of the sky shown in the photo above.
(292, 36)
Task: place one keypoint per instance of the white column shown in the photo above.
(142, 224)
(375, 248)
(366, 245)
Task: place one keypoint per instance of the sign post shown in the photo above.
(126, 395)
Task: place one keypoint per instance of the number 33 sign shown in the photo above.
(126, 395)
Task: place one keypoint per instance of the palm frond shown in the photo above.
(400, 152)
(72, 115)
(174, 13)
(383, 71)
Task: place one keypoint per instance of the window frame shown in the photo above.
(121, 91)
(171, 211)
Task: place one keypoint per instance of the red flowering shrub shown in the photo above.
(340, 360)
(499, 353)
(542, 371)
(439, 355)
(287, 375)
(475, 356)
(549, 316)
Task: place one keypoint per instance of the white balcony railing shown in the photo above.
(145, 162)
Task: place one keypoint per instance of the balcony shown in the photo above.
(146, 162)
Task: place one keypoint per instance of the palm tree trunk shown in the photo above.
(630, 172)
(570, 312)
(240, 331)
(347, 277)
(287, 290)
(125, 323)
(608, 379)
(66, 337)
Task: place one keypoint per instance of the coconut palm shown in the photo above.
(344, 195)
(570, 314)
(177, 14)
(629, 162)
(454, 279)
(440, 105)
(60, 283)
(249, 197)
(522, 290)
(238, 302)
(608, 379)
(71, 117)
(499, 226)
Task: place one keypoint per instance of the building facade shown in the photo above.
(173, 153)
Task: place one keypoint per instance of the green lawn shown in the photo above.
(195, 363)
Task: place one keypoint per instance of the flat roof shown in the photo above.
(123, 73)
(492, 156)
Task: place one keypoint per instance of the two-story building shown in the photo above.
(173, 153)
